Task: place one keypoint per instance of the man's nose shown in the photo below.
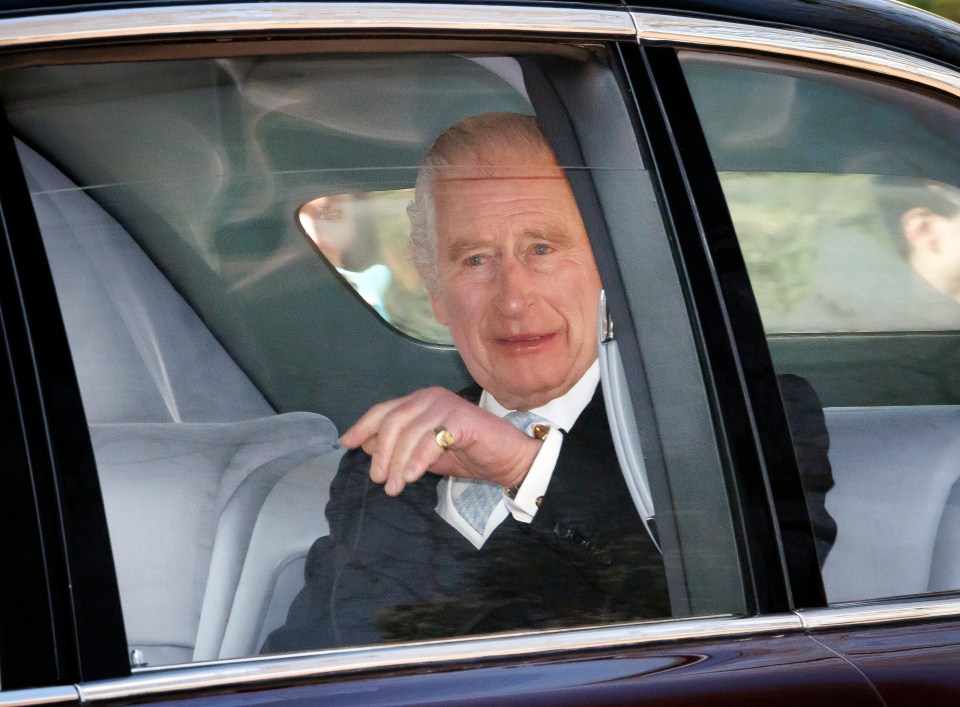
(515, 287)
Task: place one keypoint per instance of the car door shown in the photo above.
(55, 630)
(825, 164)
(170, 173)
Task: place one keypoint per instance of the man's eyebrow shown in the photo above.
(559, 236)
(460, 247)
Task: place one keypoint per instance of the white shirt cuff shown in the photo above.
(524, 507)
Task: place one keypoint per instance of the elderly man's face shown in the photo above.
(518, 285)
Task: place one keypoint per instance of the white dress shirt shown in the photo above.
(561, 413)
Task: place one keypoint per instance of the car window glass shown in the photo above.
(845, 196)
(365, 237)
(229, 243)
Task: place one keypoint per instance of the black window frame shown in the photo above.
(781, 561)
(61, 621)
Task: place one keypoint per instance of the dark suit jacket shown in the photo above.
(393, 569)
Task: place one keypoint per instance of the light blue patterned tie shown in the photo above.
(478, 500)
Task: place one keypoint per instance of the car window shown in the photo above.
(845, 195)
(230, 244)
(365, 236)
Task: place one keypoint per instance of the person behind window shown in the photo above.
(514, 527)
(525, 520)
(923, 218)
(331, 223)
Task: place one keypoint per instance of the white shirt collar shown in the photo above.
(561, 412)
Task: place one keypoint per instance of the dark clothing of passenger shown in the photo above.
(811, 442)
(393, 569)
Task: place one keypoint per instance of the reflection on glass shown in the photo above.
(923, 219)
(331, 223)
(849, 252)
(365, 237)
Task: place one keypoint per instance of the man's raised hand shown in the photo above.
(400, 436)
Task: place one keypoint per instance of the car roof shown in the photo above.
(884, 22)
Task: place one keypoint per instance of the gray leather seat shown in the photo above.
(895, 501)
(187, 448)
(141, 352)
(290, 520)
(182, 501)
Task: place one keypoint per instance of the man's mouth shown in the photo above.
(525, 342)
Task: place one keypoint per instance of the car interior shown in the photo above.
(191, 457)
(218, 353)
(198, 344)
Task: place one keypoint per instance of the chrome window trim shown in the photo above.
(248, 17)
(146, 682)
(248, 671)
(240, 17)
(68, 694)
(862, 614)
(700, 32)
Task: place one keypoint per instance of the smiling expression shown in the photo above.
(518, 285)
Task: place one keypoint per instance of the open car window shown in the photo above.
(228, 240)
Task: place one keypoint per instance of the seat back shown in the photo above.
(181, 502)
(895, 470)
(290, 520)
(140, 351)
(187, 448)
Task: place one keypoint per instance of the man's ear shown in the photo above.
(439, 310)
(917, 229)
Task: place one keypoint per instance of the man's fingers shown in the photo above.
(400, 437)
(398, 434)
(419, 454)
(394, 486)
(390, 433)
(369, 423)
(415, 448)
(422, 455)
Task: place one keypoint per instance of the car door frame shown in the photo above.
(69, 595)
(102, 668)
(893, 641)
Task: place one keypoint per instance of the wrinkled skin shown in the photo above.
(518, 289)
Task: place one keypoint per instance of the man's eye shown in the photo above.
(542, 249)
(474, 261)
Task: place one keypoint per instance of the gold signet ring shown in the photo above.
(445, 438)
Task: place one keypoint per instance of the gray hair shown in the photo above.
(487, 140)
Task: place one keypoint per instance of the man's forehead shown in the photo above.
(493, 173)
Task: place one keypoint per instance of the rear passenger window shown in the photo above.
(230, 244)
(845, 195)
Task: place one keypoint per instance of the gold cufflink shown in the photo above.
(541, 431)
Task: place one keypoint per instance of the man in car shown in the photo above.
(549, 536)
(524, 520)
